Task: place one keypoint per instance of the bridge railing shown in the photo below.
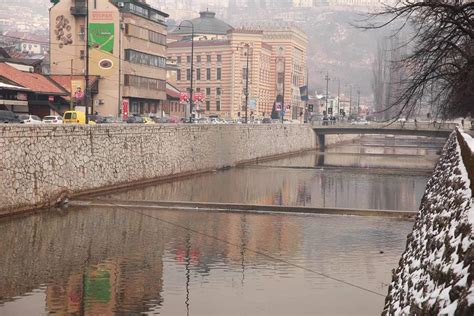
(467, 155)
(385, 125)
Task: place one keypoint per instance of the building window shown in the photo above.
(208, 105)
(208, 73)
(208, 91)
(188, 74)
(198, 59)
(218, 74)
(218, 105)
(198, 89)
(178, 74)
(82, 54)
(219, 58)
(218, 91)
(144, 83)
(156, 38)
(209, 59)
(198, 74)
(178, 60)
(137, 57)
(188, 59)
(82, 33)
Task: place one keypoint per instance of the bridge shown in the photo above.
(442, 130)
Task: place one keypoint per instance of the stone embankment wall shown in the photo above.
(436, 271)
(39, 164)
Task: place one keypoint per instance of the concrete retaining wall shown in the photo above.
(38, 164)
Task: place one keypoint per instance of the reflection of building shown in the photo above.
(277, 63)
(127, 41)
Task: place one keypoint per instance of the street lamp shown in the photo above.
(247, 83)
(327, 90)
(192, 67)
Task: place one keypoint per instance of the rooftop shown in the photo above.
(206, 23)
(36, 82)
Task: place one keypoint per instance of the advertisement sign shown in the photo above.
(252, 105)
(125, 106)
(183, 97)
(22, 96)
(198, 96)
(278, 106)
(304, 93)
(101, 43)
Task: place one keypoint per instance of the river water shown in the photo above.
(131, 261)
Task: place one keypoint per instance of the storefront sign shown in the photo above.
(125, 106)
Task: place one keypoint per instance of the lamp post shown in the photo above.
(191, 105)
(327, 90)
(358, 101)
(86, 95)
(247, 84)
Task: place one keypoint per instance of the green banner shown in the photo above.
(101, 36)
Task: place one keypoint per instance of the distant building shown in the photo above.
(127, 40)
(276, 66)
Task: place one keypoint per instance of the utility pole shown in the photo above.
(358, 101)
(350, 100)
(327, 91)
(247, 84)
(191, 105)
(86, 96)
(338, 95)
(71, 94)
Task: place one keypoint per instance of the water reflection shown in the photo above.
(109, 261)
(118, 261)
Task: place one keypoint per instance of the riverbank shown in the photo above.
(435, 272)
(42, 164)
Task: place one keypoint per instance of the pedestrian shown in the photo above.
(415, 123)
(462, 122)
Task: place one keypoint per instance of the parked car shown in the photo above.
(95, 118)
(110, 120)
(53, 119)
(135, 120)
(266, 120)
(8, 117)
(29, 119)
(148, 120)
(74, 117)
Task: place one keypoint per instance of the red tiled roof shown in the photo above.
(36, 82)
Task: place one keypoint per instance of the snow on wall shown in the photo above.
(435, 273)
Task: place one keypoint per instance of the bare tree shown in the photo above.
(440, 62)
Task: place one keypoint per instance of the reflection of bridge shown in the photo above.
(410, 129)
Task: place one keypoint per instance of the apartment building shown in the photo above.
(127, 51)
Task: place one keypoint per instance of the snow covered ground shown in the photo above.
(436, 271)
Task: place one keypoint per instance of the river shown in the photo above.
(98, 260)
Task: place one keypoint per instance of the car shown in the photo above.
(266, 120)
(53, 119)
(402, 120)
(74, 117)
(148, 120)
(29, 119)
(135, 120)
(109, 120)
(8, 117)
(95, 118)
